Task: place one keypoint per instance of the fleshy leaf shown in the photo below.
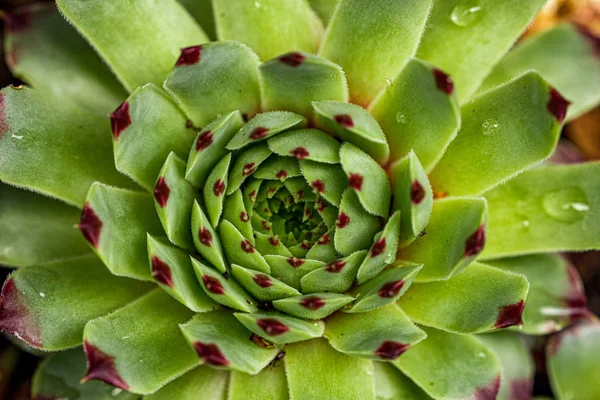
(352, 124)
(355, 226)
(324, 248)
(556, 296)
(448, 247)
(452, 366)
(279, 168)
(146, 128)
(383, 334)
(245, 164)
(52, 57)
(383, 250)
(235, 212)
(270, 383)
(261, 286)
(404, 111)
(240, 250)
(572, 366)
(172, 270)
(35, 229)
(48, 305)
(359, 38)
(316, 362)
(291, 269)
(293, 80)
(313, 306)
(328, 181)
(223, 77)
(221, 341)
(44, 143)
(214, 190)
(490, 28)
(206, 240)
(202, 11)
(279, 328)
(307, 144)
(477, 300)
(555, 208)
(211, 382)
(270, 245)
(337, 276)
(270, 27)
(392, 384)
(139, 348)
(324, 9)
(504, 132)
(148, 40)
(115, 222)
(265, 125)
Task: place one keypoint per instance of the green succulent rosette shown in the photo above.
(336, 202)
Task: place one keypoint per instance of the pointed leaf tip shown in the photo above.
(558, 105)
(102, 366)
(189, 56)
(90, 225)
(120, 119)
(15, 317)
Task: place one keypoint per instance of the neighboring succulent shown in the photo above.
(321, 240)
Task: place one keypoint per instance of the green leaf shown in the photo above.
(266, 125)
(383, 334)
(270, 27)
(53, 148)
(115, 222)
(48, 305)
(565, 56)
(235, 212)
(291, 269)
(571, 363)
(240, 250)
(172, 270)
(262, 287)
(412, 195)
(279, 328)
(383, 250)
(58, 376)
(221, 341)
(52, 57)
(214, 190)
(208, 381)
(517, 364)
(337, 276)
(306, 144)
(292, 81)
(276, 168)
(244, 165)
(313, 306)
(404, 111)
(355, 226)
(324, 9)
(223, 77)
(353, 124)
(206, 240)
(447, 248)
(450, 366)
(392, 384)
(477, 300)
(328, 181)
(35, 229)
(556, 296)
(146, 128)
(329, 374)
(149, 35)
(139, 348)
(268, 384)
(504, 132)
(202, 11)
(555, 208)
(324, 248)
(372, 40)
(489, 27)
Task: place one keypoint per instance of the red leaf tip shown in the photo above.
(189, 56)
(510, 315)
(90, 225)
(15, 318)
(120, 119)
(101, 366)
(557, 105)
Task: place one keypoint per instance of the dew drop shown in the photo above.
(256, 4)
(42, 294)
(388, 82)
(490, 127)
(526, 223)
(467, 13)
(400, 118)
(566, 205)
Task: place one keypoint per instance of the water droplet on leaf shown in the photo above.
(467, 13)
(400, 118)
(490, 127)
(566, 205)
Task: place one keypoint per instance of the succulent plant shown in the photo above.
(338, 202)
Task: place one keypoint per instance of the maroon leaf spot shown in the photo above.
(262, 280)
(292, 59)
(378, 248)
(475, 242)
(17, 22)
(309, 215)
(272, 327)
(102, 366)
(210, 354)
(295, 262)
(244, 217)
(247, 246)
(300, 194)
(120, 120)
(274, 241)
(557, 105)
(510, 315)
(342, 220)
(323, 240)
(344, 120)
(521, 389)
(312, 303)
(218, 187)
(189, 56)
(321, 205)
(306, 245)
(391, 289)
(281, 174)
(300, 153)
(161, 192)
(213, 285)
(417, 193)
(489, 392)
(335, 266)
(90, 225)
(443, 81)
(355, 181)
(390, 350)
(258, 133)
(161, 272)
(15, 317)
(204, 140)
(318, 185)
(247, 170)
(265, 225)
(205, 237)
